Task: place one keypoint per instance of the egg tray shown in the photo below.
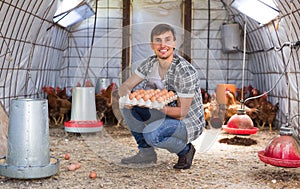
(125, 101)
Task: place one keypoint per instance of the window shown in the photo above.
(71, 12)
(263, 11)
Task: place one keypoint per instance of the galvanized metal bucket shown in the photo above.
(83, 104)
(28, 153)
(83, 112)
(102, 83)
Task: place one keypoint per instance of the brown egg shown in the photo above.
(151, 91)
(160, 99)
(67, 156)
(93, 175)
(146, 97)
(139, 96)
(164, 91)
(77, 165)
(131, 96)
(171, 93)
(71, 167)
(135, 93)
(153, 98)
(157, 91)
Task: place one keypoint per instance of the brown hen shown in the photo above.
(267, 112)
(104, 104)
(58, 108)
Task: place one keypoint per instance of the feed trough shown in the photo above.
(28, 154)
(240, 124)
(282, 151)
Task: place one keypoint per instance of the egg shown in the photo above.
(93, 175)
(160, 99)
(72, 167)
(135, 93)
(131, 96)
(171, 93)
(139, 96)
(157, 91)
(153, 98)
(146, 97)
(151, 91)
(164, 91)
(67, 156)
(77, 165)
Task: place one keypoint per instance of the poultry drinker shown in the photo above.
(282, 151)
(83, 113)
(241, 124)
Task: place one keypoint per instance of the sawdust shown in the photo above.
(216, 165)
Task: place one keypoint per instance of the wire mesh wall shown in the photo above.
(30, 55)
(215, 67)
(95, 47)
(35, 52)
(274, 59)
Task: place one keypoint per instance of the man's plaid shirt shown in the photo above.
(183, 79)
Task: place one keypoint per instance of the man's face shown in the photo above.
(163, 45)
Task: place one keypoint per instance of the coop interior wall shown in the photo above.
(35, 52)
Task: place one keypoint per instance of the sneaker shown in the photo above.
(185, 161)
(144, 156)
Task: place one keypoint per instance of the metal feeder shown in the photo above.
(83, 112)
(102, 83)
(28, 155)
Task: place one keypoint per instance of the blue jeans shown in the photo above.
(152, 128)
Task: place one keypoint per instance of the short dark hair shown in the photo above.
(162, 28)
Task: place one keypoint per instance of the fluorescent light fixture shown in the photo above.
(74, 15)
(263, 11)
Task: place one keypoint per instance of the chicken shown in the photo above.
(101, 105)
(207, 113)
(62, 93)
(208, 107)
(108, 92)
(206, 97)
(253, 102)
(116, 109)
(267, 112)
(104, 103)
(58, 108)
(213, 114)
(88, 83)
(245, 91)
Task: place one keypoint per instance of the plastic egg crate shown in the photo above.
(125, 101)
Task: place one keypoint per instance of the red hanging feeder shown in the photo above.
(240, 124)
(283, 150)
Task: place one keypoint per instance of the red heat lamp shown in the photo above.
(240, 124)
(282, 151)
